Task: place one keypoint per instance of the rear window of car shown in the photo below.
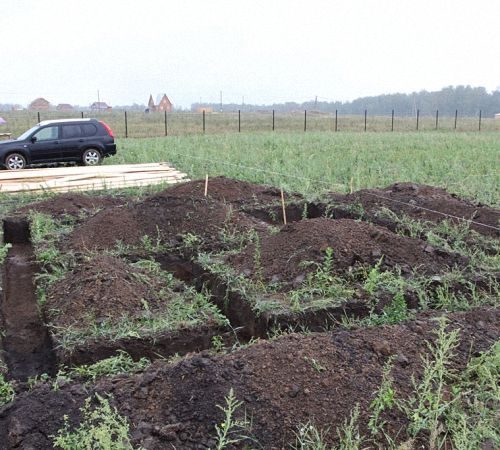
(88, 130)
(71, 131)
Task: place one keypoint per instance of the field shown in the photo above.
(164, 318)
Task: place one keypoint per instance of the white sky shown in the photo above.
(263, 50)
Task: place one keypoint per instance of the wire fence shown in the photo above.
(138, 124)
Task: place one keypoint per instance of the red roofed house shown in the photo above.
(64, 107)
(39, 104)
(162, 104)
(100, 106)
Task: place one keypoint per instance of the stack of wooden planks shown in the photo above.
(64, 179)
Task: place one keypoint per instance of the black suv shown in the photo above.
(84, 141)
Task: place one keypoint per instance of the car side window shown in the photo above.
(71, 131)
(89, 129)
(47, 134)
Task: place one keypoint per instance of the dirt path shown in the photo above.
(27, 345)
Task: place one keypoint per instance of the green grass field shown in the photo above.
(464, 163)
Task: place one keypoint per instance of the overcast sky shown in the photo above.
(264, 51)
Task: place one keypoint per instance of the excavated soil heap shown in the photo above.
(164, 217)
(241, 193)
(72, 204)
(103, 288)
(414, 197)
(353, 243)
(283, 383)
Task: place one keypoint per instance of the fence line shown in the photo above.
(138, 124)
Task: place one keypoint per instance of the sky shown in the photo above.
(253, 51)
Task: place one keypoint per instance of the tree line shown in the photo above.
(467, 100)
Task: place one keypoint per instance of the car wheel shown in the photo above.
(91, 157)
(15, 161)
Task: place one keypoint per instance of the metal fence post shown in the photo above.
(456, 116)
(365, 118)
(273, 119)
(203, 121)
(437, 118)
(305, 119)
(239, 120)
(166, 124)
(336, 116)
(418, 115)
(392, 121)
(480, 120)
(126, 125)
(81, 114)
(38, 114)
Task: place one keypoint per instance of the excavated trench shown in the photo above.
(26, 341)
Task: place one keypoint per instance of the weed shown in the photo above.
(102, 427)
(315, 364)
(4, 249)
(226, 430)
(322, 283)
(384, 400)
(218, 344)
(7, 392)
(427, 406)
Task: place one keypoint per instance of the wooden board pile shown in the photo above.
(64, 179)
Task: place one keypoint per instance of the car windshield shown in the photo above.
(27, 133)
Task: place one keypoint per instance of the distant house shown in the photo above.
(207, 109)
(497, 116)
(162, 104)
(64, 107)
(100, 106)
(39, 104)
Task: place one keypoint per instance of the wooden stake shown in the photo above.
(206, 185)
(283, 206)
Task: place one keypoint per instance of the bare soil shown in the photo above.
(279, 383)
(421, 202)
(165, 218)
(354, 243)
(72, 204)
(283, 382)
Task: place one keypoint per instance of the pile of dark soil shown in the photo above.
(165, 217)
(283, 383)
(227, 190)
(104, 287)
(353, 243)
(72, 204)
(423, 202)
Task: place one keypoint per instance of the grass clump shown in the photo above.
(114, 365)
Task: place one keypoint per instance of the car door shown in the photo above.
(45, 146)
(71, 140)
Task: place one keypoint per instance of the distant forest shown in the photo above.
(466, 99)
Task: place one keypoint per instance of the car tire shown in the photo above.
(15, 161)
(91, 157)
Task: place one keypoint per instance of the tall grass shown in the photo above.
(464, 163)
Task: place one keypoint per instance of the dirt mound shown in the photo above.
(425, 203)
(283, 383)
(227, 190)
(72, 204)
(353, 243)
(102, 288)
(166, 218)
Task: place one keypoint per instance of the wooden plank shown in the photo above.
(69, 178)
(62, 171)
